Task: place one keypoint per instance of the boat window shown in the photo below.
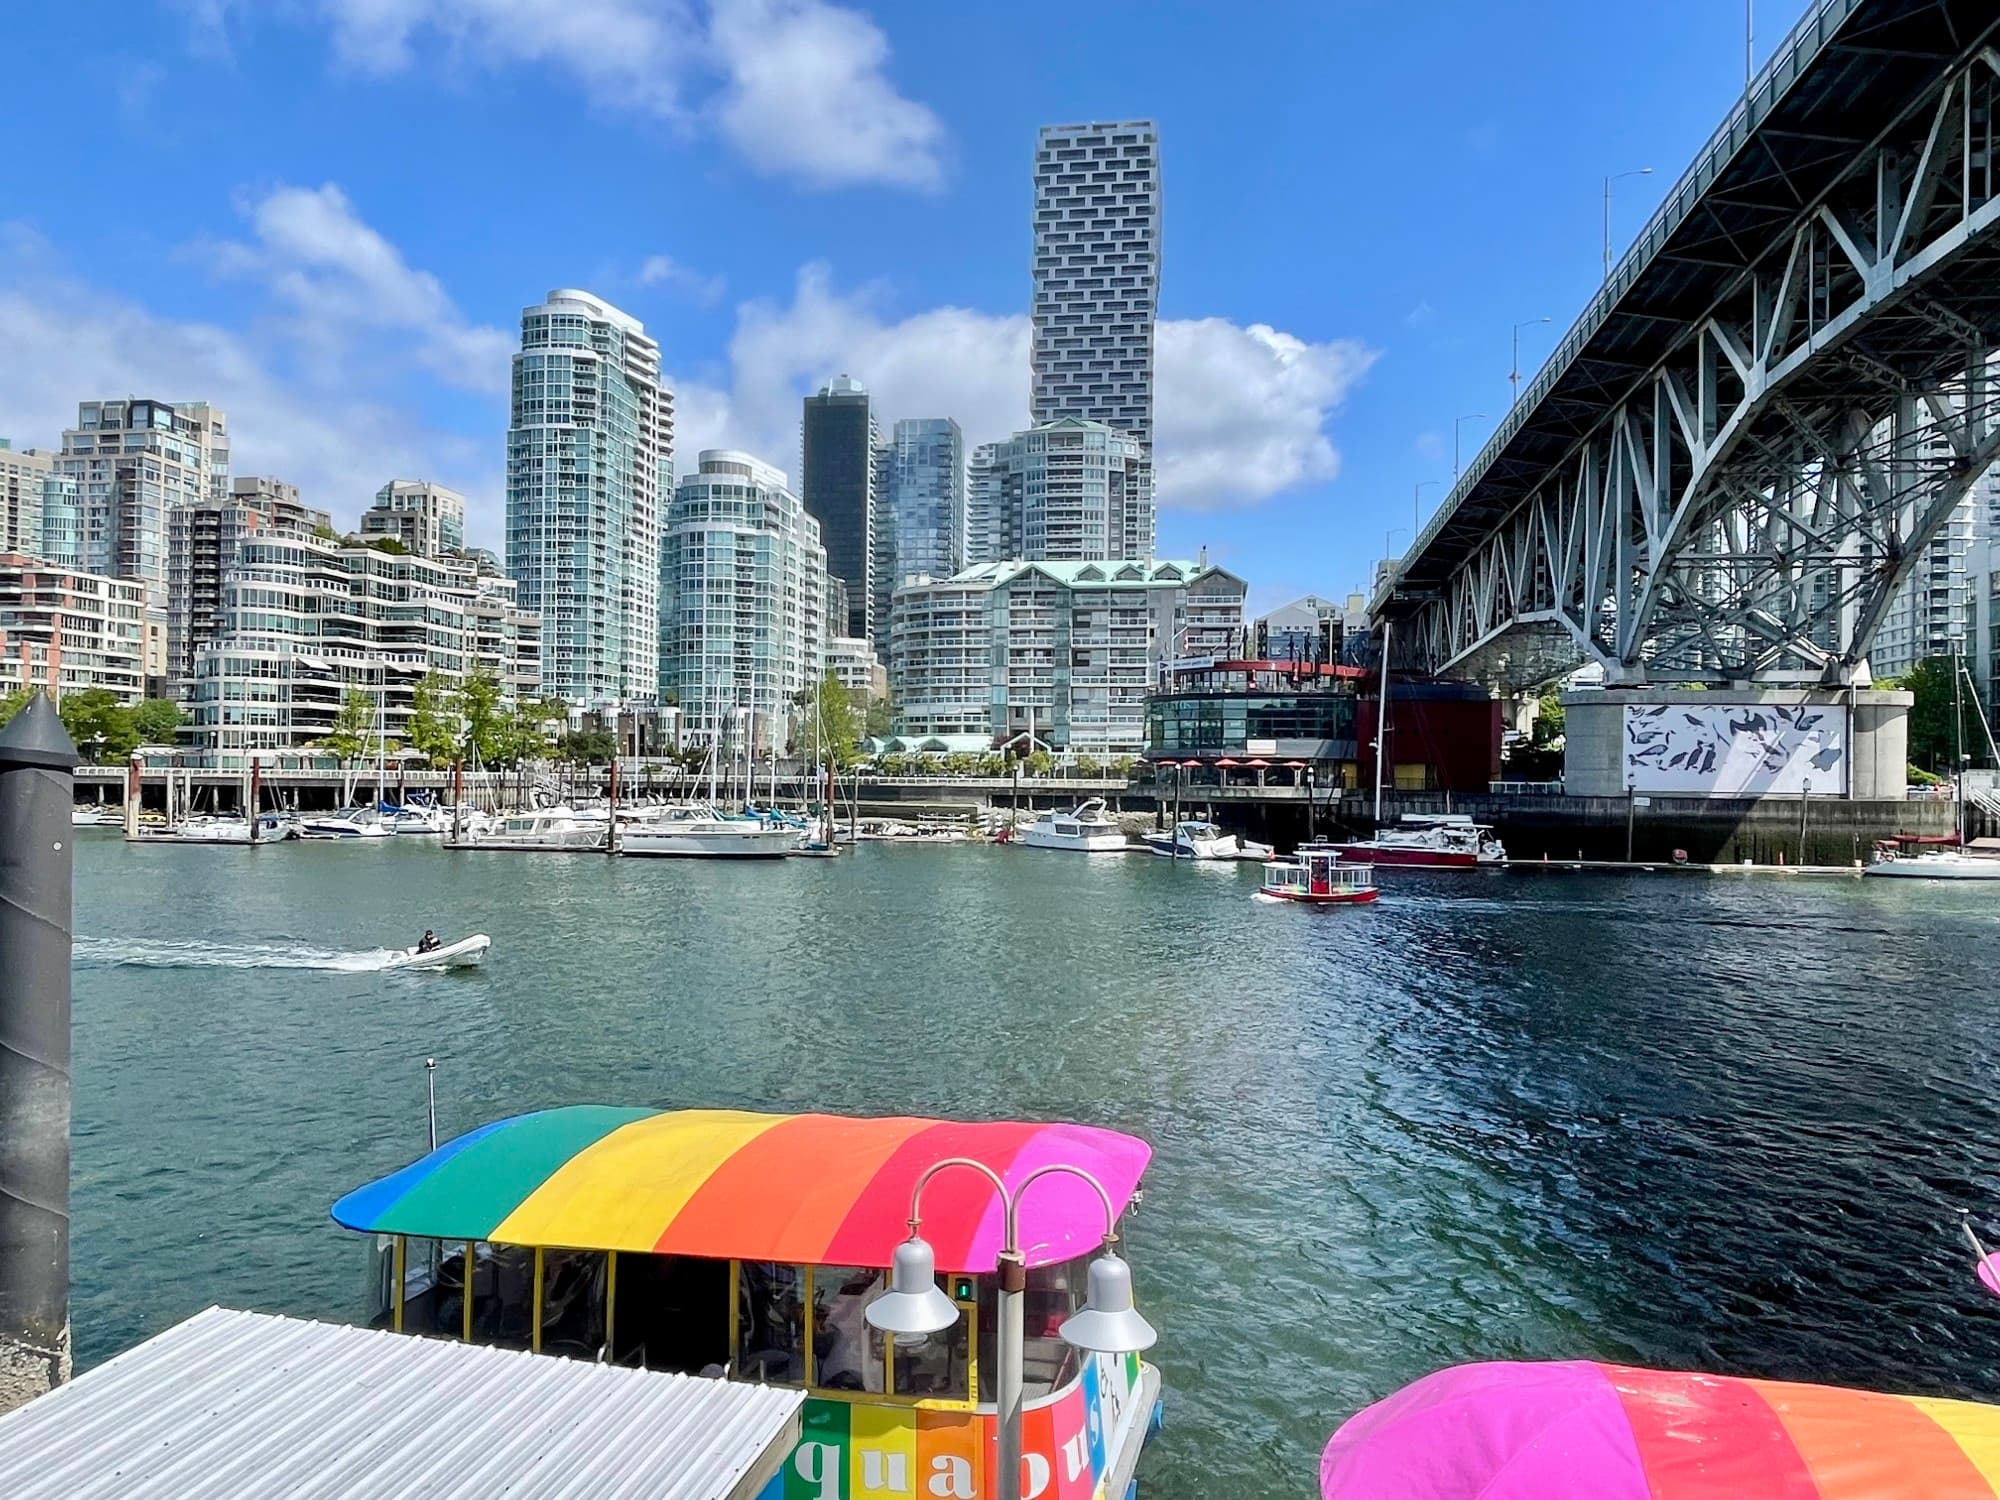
(671, 1312)
(573, 1284)
(847, 1352)
(934, 1365)
(770, 1323)
(1053, 1293)
(503, 1295)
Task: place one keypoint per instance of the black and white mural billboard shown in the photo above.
(1736, 750)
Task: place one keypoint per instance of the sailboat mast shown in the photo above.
(1381, 724)
(1958, 744)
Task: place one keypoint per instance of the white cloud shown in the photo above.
(69, 341)
(1240, 412)
(341, 280)
(798, 86)
(627, 51)
(664, 270)
(806, 94)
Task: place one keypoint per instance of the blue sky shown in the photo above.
(326, 215)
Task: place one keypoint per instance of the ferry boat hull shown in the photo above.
(1306, 898)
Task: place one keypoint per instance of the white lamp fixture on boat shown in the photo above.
(1107, 1323)
(913, 1305)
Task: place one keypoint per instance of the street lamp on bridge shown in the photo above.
(1615, 177)
(1417, 505)
(1514, 375)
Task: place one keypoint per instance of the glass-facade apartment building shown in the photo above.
(133, 461)
(303, 622)
(838, 442)
(589, 467)
(926, 498)
(741, 585)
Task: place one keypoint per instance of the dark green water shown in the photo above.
(1717, 1122)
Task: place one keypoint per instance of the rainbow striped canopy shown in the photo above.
(733, 1185)
(1584, 1431)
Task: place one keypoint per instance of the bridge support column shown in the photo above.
(1849, 743)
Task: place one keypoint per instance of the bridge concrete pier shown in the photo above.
(1849, 744)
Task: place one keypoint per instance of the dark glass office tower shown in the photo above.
(838, 483)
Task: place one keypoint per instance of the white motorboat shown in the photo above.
(1193, 838)
(466, 953)
(1086, 829)
(702, 833)
(351, 823)
(420, 819)
(271, 829)
(1935, 864)
(546, 829)
(95, 817)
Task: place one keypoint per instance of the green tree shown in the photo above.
(522, 733)
(1086, 765)
(588, 747)
(99, 724)
(156, 720)
(477, 707)
(389, 544)
(992, 763)
(12, 703)
(1933, 741)
(880, 720)
(1040, 763)
(833, 724)
(1548, 726)
(353, 734)
(434, 724)
(962, 763)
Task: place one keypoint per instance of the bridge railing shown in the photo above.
(1800, 46)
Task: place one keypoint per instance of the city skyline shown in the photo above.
(1311, 357)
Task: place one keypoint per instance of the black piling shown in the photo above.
(37, 787)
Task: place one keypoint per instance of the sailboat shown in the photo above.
(1903, 860)
(359, 822)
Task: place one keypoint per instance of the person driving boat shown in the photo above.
(428, 943)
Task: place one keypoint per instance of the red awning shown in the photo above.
(1257, 764)
(1226, 761)
(1295, 765)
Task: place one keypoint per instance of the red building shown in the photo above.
(1284, 715)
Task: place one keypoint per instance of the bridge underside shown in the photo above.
(1744, 508)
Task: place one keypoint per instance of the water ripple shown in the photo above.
(1718, 1122)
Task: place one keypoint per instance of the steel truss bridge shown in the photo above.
(1741, 448)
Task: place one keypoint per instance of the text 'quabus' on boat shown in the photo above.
(760, 1247)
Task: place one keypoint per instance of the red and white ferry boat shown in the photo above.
(1317, 877)
(1430, 841)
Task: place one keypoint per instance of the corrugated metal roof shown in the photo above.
(238, 1404)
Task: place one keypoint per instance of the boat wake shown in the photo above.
(140, 953)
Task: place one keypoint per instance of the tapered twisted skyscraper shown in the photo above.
(1097, 279)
